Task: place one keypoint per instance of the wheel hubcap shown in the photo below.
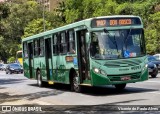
(39, 80)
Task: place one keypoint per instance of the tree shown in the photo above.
(35, 27)
(153, 34)
(20, 14)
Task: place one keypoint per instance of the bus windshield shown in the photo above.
(115, 44)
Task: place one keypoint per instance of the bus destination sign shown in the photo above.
(109, 22)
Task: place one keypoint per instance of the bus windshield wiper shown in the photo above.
(127, 38)
(113, 42)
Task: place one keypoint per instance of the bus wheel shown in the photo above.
(120, 86)
(75, 84)
(39, 79)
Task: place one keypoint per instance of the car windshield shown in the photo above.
(117, 44)
(15, 66)
(5, 65)
(151, 58)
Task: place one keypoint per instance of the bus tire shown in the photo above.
(120, 87)
(40, 83)
(75, 83)
(154, 75)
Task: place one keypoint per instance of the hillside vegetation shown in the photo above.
(25, 17)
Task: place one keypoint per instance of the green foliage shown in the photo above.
(23, 18)
(19, 15)
(153, 34)
(36, 26)
(11, 60)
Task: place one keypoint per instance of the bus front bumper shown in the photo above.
(98, 79)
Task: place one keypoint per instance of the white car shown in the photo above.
(4, 67)
(157, 56)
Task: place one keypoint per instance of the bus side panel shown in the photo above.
(54, 66)
(61, 69)
(50, 70)
(36, 65)
(43, 68)
(26, 68)
(69, 65)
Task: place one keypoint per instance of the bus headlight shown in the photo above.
(96, 70)
(146, 66)
(99, 71)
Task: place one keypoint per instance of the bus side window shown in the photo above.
(71, 45)
(63, 43)
(55, 44)
(36, 48)
(41, 48)
(25, 52)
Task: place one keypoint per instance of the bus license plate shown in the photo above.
(125, 78)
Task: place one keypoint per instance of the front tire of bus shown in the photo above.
(120, 87)
(39, 79)
(75, 84)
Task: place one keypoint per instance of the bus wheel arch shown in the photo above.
(73, 78)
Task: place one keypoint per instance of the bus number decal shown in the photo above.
(101, 23)
(113, 22)
(125, 22)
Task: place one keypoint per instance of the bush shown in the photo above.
(11, 59)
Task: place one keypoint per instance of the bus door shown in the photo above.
(82, 55)
(31, 67)
(48, 59)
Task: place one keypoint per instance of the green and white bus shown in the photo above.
(107, 50)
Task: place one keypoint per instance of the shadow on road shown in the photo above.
(10, 81)
(2, 87)
(99, 91)
(154, 78)
(109, 91)
(60, 87)
(6, 97)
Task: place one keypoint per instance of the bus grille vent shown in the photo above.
(123, 63)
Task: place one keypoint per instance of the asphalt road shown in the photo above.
(15, 89)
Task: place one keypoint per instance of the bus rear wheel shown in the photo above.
(75, 84)
(120, 86)
(40, 83)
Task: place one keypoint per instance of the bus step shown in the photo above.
(85, 84)
(50, 82)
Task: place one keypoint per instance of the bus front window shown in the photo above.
(117, 44)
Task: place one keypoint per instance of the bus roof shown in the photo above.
(85, 22)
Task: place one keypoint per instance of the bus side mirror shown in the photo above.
(87, 38)
(88, 41)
